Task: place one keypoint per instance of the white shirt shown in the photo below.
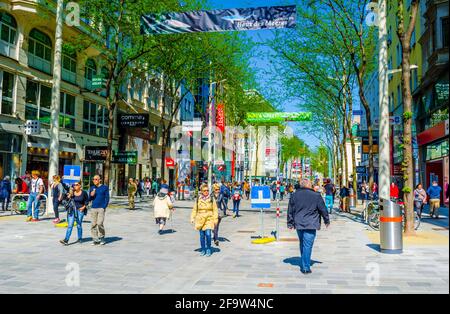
(36, 184)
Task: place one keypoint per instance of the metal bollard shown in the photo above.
(391, 227)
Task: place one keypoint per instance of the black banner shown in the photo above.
(133, 120)
(220, 20)
(95, 153)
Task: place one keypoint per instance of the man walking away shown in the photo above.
(329, 195)
(434, 192)
(306, 208)
(99, 195)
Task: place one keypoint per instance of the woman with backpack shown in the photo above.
(76, 205)
(236, 196)
(162, 205)
(57, 192)
(204, 216)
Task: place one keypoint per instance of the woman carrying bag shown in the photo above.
(162, 205)
(205, 216)
(76, 205)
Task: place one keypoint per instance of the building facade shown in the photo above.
(431, 97)
(26, 65)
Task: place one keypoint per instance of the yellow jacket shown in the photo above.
(205, 214)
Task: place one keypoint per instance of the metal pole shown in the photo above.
(210, 125)
(262, 223)
(384, 143)
(54, 124)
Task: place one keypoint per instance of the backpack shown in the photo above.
(236, 195)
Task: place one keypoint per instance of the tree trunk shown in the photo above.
(407, 165)
(111, 105)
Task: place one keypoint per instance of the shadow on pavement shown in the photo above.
(108, 240)
(375, 247)
(168, 231)
(296, 261)
(223, 239)
(213, 250)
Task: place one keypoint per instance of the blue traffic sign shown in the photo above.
(260, 197)
(72, 174)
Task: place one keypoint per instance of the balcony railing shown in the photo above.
(69, 76)
(39, 63)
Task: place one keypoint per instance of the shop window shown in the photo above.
(437, 150)
(8, 35)
(6, 92)
(40, 51)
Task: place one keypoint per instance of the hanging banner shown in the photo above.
(220, 20)
(278, 117)
(220, 117)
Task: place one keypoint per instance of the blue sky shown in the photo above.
(262, 62)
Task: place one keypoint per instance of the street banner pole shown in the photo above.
(54, 124)
(384, 143)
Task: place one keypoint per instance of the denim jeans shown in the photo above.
(205, 239)
(55, 207)
(77, 216)
(33, 201)
(224, 205)
(306, 238)
(329, 202)
(236, 204)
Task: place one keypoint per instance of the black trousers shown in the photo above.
(216, 230)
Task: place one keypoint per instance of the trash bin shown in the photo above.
(391, 227)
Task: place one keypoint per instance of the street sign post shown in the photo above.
(261, 200)
(72, 174)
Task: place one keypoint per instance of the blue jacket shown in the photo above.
(225, 191)
(101, 197)
(5, 190)
(434, 192)
(306, 208)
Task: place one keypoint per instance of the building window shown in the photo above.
(40, 51)
(67, 111)
(8, 35)
(38, 101)
(445, 26)
(69, 67)
(95, 119)
(90, 71)
(6, 92)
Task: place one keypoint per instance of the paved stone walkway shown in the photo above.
(138, 260)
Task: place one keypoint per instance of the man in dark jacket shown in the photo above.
(305, 210)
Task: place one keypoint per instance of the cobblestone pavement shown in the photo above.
(138, 260)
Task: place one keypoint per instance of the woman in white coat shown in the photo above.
(162, 205)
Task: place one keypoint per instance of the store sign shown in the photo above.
(220, 20)
(125, 158)
(98, 82)
(133, 120)
(220, 118)
(170, 162)
(95, 153)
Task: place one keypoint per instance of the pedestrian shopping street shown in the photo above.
(138, 260)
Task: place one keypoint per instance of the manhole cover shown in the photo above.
(441, 229)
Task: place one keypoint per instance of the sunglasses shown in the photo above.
(76, 184)
(205, 191)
